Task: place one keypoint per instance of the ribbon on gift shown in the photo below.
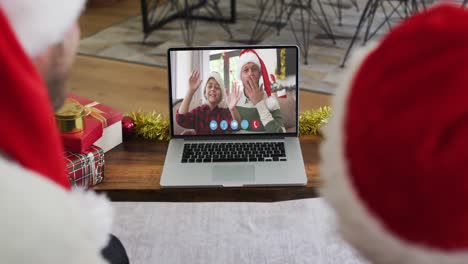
(90, 157)
(91, 110)
(92, 174)
(88, 169)
(85, 169)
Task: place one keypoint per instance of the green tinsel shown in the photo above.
(154, 126)
(151, 125)
(311, 121)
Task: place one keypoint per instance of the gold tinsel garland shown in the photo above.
(151, 125)
(154, 126)
(311, 121)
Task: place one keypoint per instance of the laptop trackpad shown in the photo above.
(233, 175)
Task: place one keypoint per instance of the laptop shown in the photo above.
(233, 117)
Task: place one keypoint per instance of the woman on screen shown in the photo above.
(209, 118)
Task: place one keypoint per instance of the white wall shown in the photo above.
(180, 73)
(269, 58)
(205, 66)
(185, 63)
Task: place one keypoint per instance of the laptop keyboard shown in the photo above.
(233, 152)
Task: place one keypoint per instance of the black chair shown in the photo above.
(308, 12)
(271, 13)
(338, 8)
(408, 7)
(157, 13)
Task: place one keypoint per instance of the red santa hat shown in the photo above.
(31, 132)
(250, 55)
(38, 202)
(394, 160)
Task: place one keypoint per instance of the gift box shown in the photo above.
(102, 127)
(85, 169)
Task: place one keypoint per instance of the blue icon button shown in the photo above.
(244, 124)
(223, 125)
(213, 125)
(234, 125)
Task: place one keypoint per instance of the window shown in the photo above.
(226, 64)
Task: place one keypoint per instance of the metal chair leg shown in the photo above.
(306, 19)
(358, 29)
(213, 10)
(370, 21)
(387, 19)
(340, 13)
(328, 30)
(355, 4)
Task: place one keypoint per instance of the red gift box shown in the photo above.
(98, 116)
(85, 169)
(111, 115)
(79, 142)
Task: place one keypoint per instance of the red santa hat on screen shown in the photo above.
(38, 201)
(250, 55)
(395, 156)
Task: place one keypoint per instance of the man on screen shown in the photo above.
(261, 110)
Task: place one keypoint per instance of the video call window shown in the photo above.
(230, 91)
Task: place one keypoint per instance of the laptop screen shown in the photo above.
(241, 90)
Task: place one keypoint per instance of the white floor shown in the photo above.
(300, 231)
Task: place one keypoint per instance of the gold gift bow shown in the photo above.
(92, 111)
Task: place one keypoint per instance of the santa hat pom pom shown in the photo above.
(272, 103)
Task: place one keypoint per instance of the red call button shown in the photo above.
(255, 124)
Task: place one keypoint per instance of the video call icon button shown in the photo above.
(255, 124)
(234, 124)
(213, 125)
(223, 125)
(244, 124)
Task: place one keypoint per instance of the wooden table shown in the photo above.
(133, 170)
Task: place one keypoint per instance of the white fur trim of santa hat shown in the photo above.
(44, 223)
(41, 23)
(356, 223)
(272, 103)
(246, 58)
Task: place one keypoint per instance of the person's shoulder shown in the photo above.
(38, 209)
